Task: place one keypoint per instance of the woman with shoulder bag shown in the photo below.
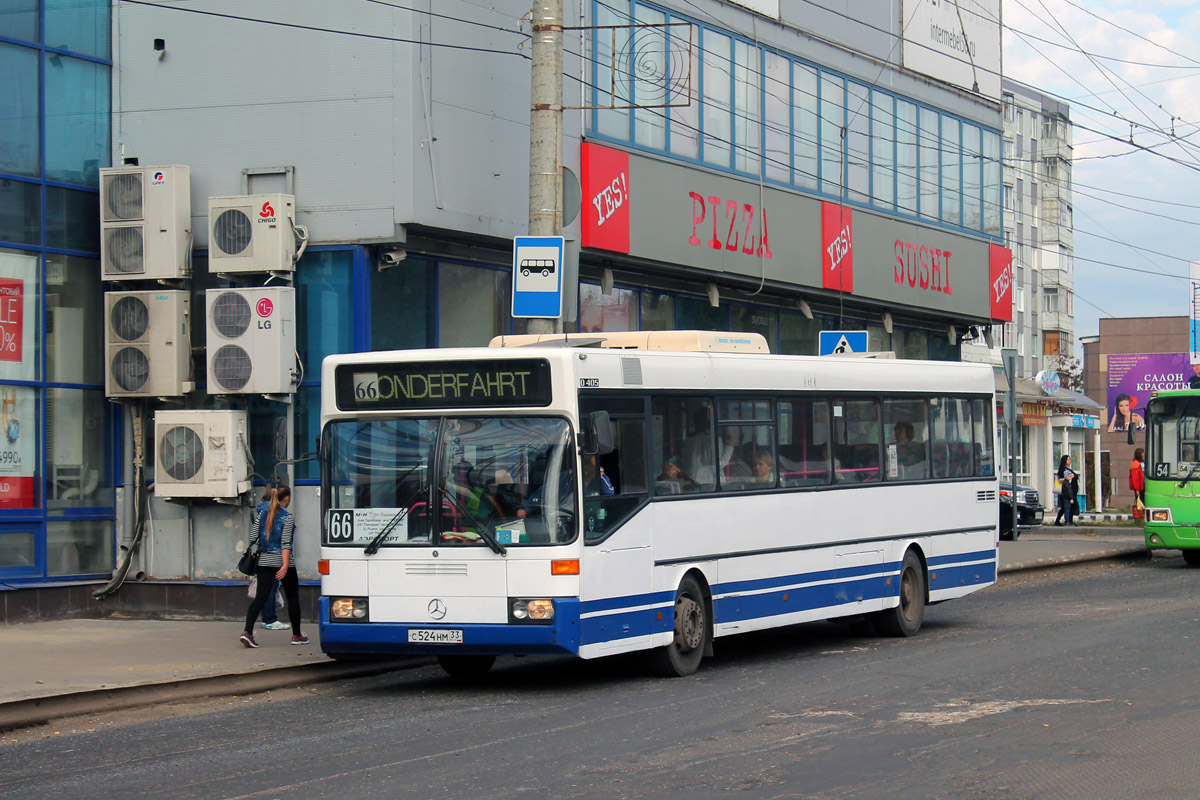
(274, 529)
(1066, 495)
(1137, 482)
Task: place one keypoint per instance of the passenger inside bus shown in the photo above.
(673, 480)
(763, 466)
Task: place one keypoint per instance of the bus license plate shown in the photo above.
(435, 636)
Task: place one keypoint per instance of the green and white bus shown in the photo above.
(1173, 473)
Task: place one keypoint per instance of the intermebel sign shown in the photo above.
(674, 214)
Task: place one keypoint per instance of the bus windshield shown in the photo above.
(1174, 437)
(513, 475)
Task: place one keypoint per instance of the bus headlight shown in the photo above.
(531, 611)
(1158, 514)
(348, 609)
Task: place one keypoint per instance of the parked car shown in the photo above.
(1029, 512)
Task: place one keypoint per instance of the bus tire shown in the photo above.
(466, 667)
(692, 630)
(525, 273)
(905, 619)
(1192, 557)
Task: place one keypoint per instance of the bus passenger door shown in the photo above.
(616, 571)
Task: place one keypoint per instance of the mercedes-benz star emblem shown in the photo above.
(437, 609)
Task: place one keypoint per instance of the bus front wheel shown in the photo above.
(466, 667)
(905, 619)
(682, 656)
(1192, 557)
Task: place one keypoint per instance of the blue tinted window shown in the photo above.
(18, 110)
(324, 307)
(77, 119)
(18, 19)
(400, 306)
(694, 314)
(308, 428)
(72, 219)
(20, 212)
(78, 25)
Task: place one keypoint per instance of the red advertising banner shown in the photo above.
(837, 243)
(1000, 274)
(12, 318)
(606, 201)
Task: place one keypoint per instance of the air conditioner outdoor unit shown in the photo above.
(201, 453)
(251, 233)
(251, 340)
(148, 343)
(145, 223)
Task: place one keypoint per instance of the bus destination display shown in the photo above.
(433, 384)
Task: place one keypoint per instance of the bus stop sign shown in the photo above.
(537, 276)
(834, 343)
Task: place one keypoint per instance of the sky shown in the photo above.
(1136, 211)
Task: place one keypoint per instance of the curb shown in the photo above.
(1129, 554)
(1092, 518)
(38, 710)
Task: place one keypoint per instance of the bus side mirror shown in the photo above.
(597, 434)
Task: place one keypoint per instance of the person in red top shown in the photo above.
(1137, 481)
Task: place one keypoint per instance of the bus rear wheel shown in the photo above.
(466, 667)
(905, 619)
(682, 656)
(1192, 557)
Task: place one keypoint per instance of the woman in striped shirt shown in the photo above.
(274, 528)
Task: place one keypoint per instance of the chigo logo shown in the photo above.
(267, 213)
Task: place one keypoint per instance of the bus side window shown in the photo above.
(682, 448)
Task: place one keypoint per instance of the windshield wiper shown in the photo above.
(373, 548)
(480, 528)
(1191, 474)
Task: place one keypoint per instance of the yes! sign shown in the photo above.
(606, 200)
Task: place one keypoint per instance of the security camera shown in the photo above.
(390, 258)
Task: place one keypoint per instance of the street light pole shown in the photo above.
(545, 133)
(1009, 356)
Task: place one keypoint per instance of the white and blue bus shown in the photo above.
(604, 493)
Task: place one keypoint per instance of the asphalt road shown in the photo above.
(1071, 683)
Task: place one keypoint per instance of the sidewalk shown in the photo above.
(55, 669)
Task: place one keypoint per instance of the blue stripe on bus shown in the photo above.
(964, 575)
(628, 601)
(958, 558)
(755, 584)
(391, 638)
(643, 614)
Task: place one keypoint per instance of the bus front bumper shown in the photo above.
(1171, 535)
(392, 638)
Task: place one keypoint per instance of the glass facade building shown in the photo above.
(58, 459)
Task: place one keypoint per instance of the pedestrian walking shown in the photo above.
(1066, 494)
(270, 612)
(274, 529)
(1137, 482)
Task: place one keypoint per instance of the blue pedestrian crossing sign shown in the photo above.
(834, 343)
(537, 276)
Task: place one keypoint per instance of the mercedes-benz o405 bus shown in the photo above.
(599, 494)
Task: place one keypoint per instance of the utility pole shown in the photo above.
(1009, 356)
(545, 133)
